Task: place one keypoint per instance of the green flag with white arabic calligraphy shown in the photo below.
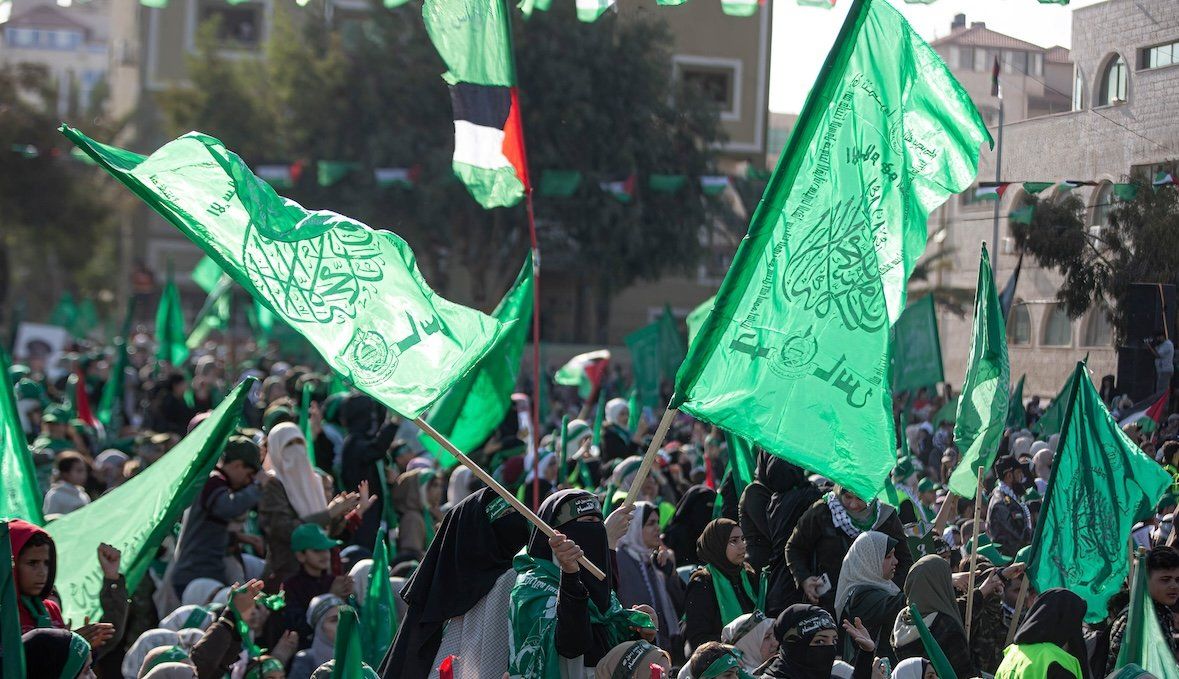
(170, 336)
(355, 293)
(916, 347)
(794, 355)
(982, 405)
(1101, 485)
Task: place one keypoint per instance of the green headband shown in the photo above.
(586, 505)
(76, 658)
(631, 659)
(173, 654)
(268, 665)
(726, 662)
(755, 619)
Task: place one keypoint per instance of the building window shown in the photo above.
(1102, 202)
(1037, 64)
(980, 60)
(1160, 55)
(1114, 82)
(717, 80)
(1078, 89)
(1058, 327)
(237, 25)
(1019, 326)
(1098, 331)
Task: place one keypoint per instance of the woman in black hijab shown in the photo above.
(724, 588)
(1051, 634)
(806, 644)
(770, 509)
(468, 565)
(692, 514)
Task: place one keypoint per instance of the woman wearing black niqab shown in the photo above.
(692, 514)
(460, 591)
(1050, 637)
(806, 645)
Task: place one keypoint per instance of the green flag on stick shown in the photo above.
(21, 498)
(804, 312)
(12, 651)
(110, 403)
(1017, 415)
(305, 419)
(916, 347)
(356, 294)
(982, 406)
(137, 516)
(644, 361)
(349, 653)
(1143, 641)
(206, 274)
(1052, 418)
(476, 405)
(170, 336)
(214, 313)
(671, 345)
(937, 657)
(1101, 485)
(378, 615)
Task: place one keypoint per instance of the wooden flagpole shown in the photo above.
(974, 552)
(649, 459)
(1023, 594)
(500, 490)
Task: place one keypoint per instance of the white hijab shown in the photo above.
(911, 668)
(177, 618)
(360, 578)
(459, 486)
(614, 408)
(200, 591)
(153, 638)
(863, 565)
(287, 461)
(548, 460)
(750, 643)
(632, 540)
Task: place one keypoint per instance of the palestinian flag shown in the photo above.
(405, 177)
(474, 40)
(1148, 414)
(1163, 179)
(990, 190)
(713, 184)
(623, 191)
(589, 10)
(742, 8)
(278, 176)
(584, 371)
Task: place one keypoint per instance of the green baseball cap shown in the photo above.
(310, 536)
(55, 415)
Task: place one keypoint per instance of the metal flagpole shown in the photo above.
(998, 178)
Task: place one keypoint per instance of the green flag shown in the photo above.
(214, 313)
(65, 312)
(261, 320)
(1143, 641)
(1052, 418)
(378, 615)
(137, 516)
(671, 345)
(643, 345)
(207, 274)
(170, 336)
(305, 419)
(349, 653)
(794, 356)
(698, 316)
(941, 664)
(12, 651)
(356, 294)
(741, 462)
(982, 405)
(1017, 415)
(476, 405)
(22, 496)
(916, 347)
(1101, 485)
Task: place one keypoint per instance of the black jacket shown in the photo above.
(702, 619)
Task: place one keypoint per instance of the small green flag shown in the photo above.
(916, 347)
(356, 294)
(698, 316)
(644, 345)
(1101, 485)
(1036, 187)
(1017, 415)
(1053, 416)
(740, 8)
(672, 347)
(589, 10)
(331, 172)
(667, 183)
(794, 355)
(1143, 641)
(937, 657)
(476, 405)
(171, 340)
(599, 420)
(305, 419)
(982, 406)
(12, 650)
(378, 615)
(349, 653)
(214, 313)
(207, 274)
(559, 183)
(1126, 192)
(137, 516)
(65, 312)
(527, 6)
(22, 496)
(110, 403)
(1022, 215)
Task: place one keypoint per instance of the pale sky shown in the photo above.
(803, 35)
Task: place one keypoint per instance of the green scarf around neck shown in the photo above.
(726, 597)
(37, 610)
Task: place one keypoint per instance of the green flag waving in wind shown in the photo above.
(356, 294)
(1101, 485)
(794, 355)
(21, 498)
(1143, 642)
(1017, 415)
(916, 347)
(137, 516)
(170, 336)
(474, 407)
(982, 406)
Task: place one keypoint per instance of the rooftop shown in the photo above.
(47, 17)
(978, 35)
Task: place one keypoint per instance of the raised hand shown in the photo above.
(109, 559)
(96, 634)
(366, 499)
(860, 635)
(617, 524)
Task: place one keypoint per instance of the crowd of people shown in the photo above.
(708, 575)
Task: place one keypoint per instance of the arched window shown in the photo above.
(1078, 90)
(1114, 82)
(1102, 203)
(1019, 325)
(1058, 327)
(1098, 331)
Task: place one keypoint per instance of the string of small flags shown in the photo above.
(1123, 191)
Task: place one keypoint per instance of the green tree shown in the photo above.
(596, 98)
(1140, 244)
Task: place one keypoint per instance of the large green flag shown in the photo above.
(794, 355)
(355, 293)
(170, 335)
(1101, 485)
(643, 345)
(1143, 641)
(741, 462)
(916, 347)
(378, 615)
(698, 316)
(474, 407)
(12, 651)
(1017, 415)
(349, 653)
(21, 498)
(137, 516)
(982, 405)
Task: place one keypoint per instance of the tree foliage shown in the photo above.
(1140, 244)
(596, 98)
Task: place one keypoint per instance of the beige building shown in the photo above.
(71, 42)
(1126, 75)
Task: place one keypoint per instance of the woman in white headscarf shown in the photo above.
(153, 638)
(200, 592)
(292, 494)
(459, 486)
(866, 593)
(360, 578)
(645, 569)
(617, 440)
(753, 635)
(1042, 462)
(322, 615)
(189, 616)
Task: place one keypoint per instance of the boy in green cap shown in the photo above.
(313, 549)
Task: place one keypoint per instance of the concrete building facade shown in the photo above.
(70, 42)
